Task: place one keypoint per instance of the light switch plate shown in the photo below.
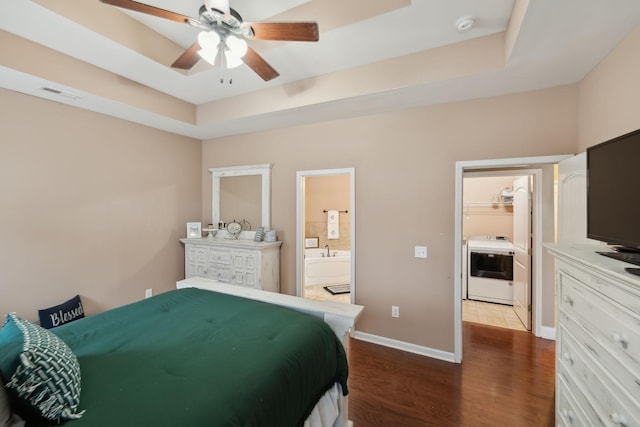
(421, 252)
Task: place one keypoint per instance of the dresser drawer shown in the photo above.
(244, 260)
(626, 294)
(611, 324)
(569, 411)
(611, 404)
(220, 257)
(568, 375)
(629, 378)
(219, 272)
(244, 278)
(197, 254)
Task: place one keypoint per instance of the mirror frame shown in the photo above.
(264, 170)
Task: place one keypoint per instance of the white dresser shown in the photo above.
(239, 262)
(598, 339)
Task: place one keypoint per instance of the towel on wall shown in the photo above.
(333, 224)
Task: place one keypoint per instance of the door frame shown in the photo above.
(300, 194)
(480, 165)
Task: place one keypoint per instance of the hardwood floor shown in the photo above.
(506, 379)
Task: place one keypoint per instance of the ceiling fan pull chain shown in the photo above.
(223, 68)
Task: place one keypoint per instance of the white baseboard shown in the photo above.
(548, 333)
(405, 346)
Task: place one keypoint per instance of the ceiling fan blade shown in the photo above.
(285, 31)
(259, 65)
(149, 10)
(188, 59)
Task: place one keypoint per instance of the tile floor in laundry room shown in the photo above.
(491, 314)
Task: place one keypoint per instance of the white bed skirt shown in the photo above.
(326, 412)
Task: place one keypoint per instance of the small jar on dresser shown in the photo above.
(238, 262)
(598, 339)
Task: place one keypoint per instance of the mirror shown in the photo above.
(241, 200)
(242, 188)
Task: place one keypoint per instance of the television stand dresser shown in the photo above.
(598, 339)
(238, 262)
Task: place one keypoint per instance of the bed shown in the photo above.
(209, 354)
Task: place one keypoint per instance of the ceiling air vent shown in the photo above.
(59, 92)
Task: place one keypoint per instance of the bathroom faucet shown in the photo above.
(327, 248)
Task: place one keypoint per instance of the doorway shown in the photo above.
(325, 235)
(543, 269)
(496, 225)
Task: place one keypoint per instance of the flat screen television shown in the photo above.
(613, 196)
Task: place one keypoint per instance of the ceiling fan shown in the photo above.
(224, 35)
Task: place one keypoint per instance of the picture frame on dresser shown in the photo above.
(259, 234)
(194, 230)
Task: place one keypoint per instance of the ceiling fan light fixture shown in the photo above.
(208, 55)
(231, 60)
(236, 47)
(208, 41)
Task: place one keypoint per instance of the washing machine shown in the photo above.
(490, 269)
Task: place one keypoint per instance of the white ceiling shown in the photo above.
(559, 43)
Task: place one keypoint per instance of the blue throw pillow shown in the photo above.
(40, 370)
(60, 314)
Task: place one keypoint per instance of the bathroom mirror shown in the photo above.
(222, 201)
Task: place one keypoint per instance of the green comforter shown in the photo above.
(198, 358)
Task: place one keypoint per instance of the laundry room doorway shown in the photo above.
(543, 226)
(325, 235)
(496, 225)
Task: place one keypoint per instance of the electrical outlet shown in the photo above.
(148, 293)
(420, 251)
(395, 311)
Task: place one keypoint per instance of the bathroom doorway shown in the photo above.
(325, 235)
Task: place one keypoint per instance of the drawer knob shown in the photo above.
(567, 299)
(568, 414)
(567, 357)
(620, 340)
(618, 419)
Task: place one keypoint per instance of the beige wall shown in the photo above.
(610, 95)
(404, 166)
(328, 193)
(91, 205)
(481, 216)
(26, 56)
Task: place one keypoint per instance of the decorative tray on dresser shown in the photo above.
(238, 262)
(598, 339)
